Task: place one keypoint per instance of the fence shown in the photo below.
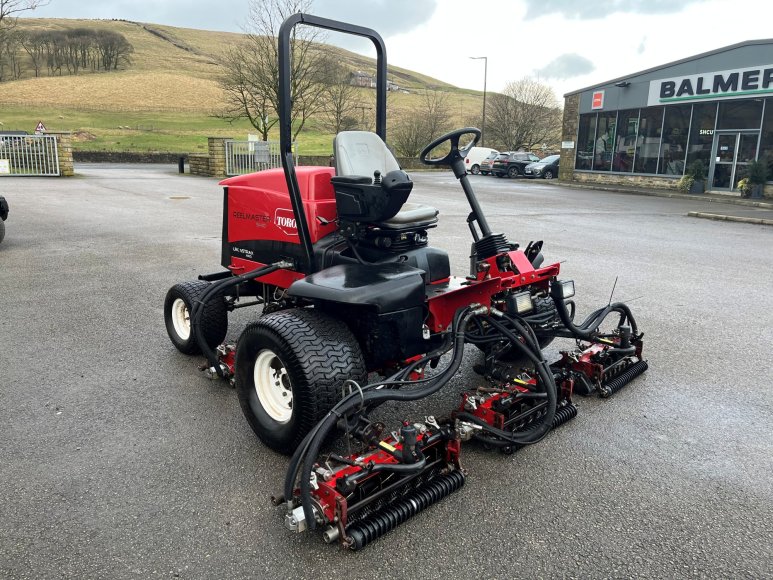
(28, 154)
(249, 156)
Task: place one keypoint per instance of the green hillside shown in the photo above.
(169, 98)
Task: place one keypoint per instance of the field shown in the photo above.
(169, 99)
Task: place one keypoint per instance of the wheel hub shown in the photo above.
(273, 387)
(181, 319)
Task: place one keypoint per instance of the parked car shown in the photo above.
(547, 168)
(512, 164)
(3, 216)
(476, 156)
(485, 165)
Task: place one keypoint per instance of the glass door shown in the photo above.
(731, 155)
(724, 160)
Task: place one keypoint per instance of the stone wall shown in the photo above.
(569, 133)
(64, 153)
(127, 157)
(199, 164)
(216, 146)
(647, 181)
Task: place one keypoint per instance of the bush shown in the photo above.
(758, 173)
(697, 170)
(685, 183)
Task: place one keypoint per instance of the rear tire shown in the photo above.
(512, 173)
(290, 370)
(2, 230)
(178, 306)
(475, 169)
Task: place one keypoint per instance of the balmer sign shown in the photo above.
(726, 84)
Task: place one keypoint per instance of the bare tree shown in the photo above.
(9, 40)
(526, 114)
(341, 105)
(251, 71)
(9, 9)
(10, 61)
(422, 123)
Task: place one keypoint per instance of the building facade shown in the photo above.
(649, 127)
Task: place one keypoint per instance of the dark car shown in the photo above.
(512, 164)
(547, 168)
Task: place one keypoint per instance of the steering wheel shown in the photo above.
(455, 152)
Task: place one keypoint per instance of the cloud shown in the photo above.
(567, 66)
(597, 9)
(642, 45)
(388, 17)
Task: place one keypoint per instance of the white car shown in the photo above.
(476, 156)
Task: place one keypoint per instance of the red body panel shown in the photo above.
(445, 299)
(259, 205)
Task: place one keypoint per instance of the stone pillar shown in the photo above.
(64, 153)
(217, 155)
(569, 133)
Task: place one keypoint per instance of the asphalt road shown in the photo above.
(118, 459)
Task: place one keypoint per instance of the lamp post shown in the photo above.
(485, 76)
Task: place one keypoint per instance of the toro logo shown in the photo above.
(285, 221)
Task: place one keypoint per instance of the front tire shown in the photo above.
(290, 370)
(178, 307)
(548, 174)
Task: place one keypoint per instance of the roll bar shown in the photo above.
(285, 109)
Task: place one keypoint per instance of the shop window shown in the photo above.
(704, 117)
(766, 138)
(625, 140)
(672, 152)
(648, 140)
(605, 135)
(740, 114)
(586, 136)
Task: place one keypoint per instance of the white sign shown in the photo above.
(5, 166)
(567, 144)
(726, 84)
(41, 128)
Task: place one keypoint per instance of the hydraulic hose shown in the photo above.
(589, 328)
(307, 456)
(214, 289)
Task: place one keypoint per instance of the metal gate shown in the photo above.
(28, 154)
(249, 156)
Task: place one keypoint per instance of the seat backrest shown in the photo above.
(362, 153)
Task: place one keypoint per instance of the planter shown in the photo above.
(756, 192)
(698, 187)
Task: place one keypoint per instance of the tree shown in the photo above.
(341, 106)
(10, 63)
(250, 77)
(525, 115)
(9, 39)
(9, 9)
(421, 124)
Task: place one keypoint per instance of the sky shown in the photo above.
(568, 44)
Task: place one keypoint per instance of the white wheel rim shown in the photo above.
(272, 385)
(181, 319)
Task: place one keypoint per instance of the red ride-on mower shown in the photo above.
(340, 262)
